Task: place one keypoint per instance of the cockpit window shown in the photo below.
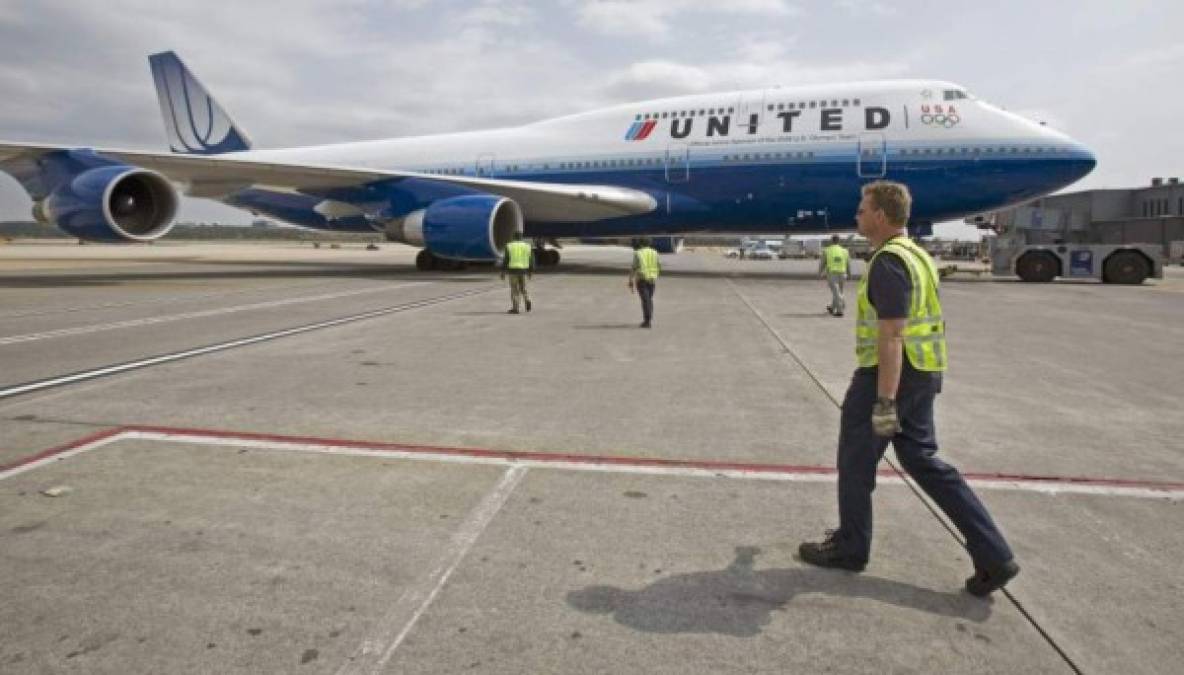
(955, 94)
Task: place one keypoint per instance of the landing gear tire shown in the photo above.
(547, 257)
(1126, 267)
(1037, 267)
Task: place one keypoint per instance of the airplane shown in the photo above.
(783, 160)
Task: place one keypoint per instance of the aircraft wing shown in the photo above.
(220, 175)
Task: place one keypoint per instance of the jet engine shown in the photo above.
(469, 227)
(113, 204)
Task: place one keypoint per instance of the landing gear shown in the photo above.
(543, 256)
(426, 261)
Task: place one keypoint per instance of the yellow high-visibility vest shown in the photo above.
(647, 263)
(836, 259)
(925, 330)
(519, 254)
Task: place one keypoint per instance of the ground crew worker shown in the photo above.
(901, 348)
(643, 276)
(836, 266)
(519, 264)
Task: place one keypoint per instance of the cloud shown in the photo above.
(1156, 57)
(650, 79)
(654, 18)
(869, 8)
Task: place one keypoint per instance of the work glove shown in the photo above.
(884, 420)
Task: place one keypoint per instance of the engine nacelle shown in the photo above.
(469, 227)
(113, 204)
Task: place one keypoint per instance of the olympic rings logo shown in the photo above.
(940, 120)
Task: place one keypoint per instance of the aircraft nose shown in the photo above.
(1084, 159)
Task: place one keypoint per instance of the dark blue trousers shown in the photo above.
(645, 290)
(860, 451)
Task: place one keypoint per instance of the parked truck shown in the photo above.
(1039, 244)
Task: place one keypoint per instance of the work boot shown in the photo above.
(986, 580)
(512, 311)
(830, 310)
(528, 305)
(827, 553)
(644, 324)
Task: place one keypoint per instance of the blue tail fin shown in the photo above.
(195, 123)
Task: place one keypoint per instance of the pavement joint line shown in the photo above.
(94, 373)
(1048, 485)
(147, 321)
(376, 651)
(925, 501)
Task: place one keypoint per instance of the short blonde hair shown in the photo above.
(892, 198)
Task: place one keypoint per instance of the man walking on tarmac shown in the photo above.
(519, 264)
(643, 276)
(901, 348)
(836, 265)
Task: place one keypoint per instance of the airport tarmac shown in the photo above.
(286, 459)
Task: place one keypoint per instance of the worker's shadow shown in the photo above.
(739, 600)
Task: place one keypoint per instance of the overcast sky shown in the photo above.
(302, 72)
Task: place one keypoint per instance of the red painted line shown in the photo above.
(381, 446)
(705, 465)
(57, 450)
(510, 455)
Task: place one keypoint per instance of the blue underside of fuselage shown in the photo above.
(781, 197)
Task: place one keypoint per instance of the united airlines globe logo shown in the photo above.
(939, 116)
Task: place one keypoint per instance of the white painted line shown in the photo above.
(130, 323)
(377, 650)
(19, 314)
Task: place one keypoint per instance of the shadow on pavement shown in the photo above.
(739, 600)
(604, 326)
